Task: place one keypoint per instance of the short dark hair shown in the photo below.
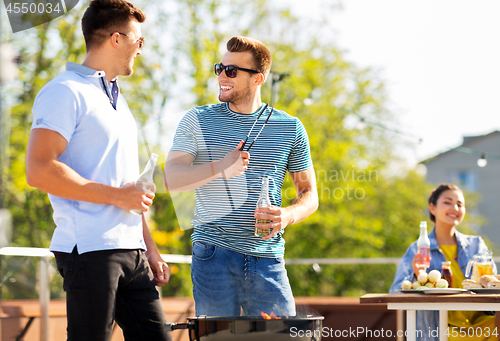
(102, 15)
(436, 193)
(260, 52)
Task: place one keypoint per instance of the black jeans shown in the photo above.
(104, 286)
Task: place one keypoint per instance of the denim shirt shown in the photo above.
(467, 246)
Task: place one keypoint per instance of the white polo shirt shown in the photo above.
(102, 147)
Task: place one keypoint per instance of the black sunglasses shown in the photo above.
(139, 42)
(231, 70)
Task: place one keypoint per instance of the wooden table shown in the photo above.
(413, 302)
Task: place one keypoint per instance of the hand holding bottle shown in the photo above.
(418, 263)
(422, 260)
(262, 225)
(146, 186)
(145, 183)
(130, 198)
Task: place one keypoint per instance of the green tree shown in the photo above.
(43, 52)
(367, 209)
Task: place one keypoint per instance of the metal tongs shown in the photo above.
(260, 131)
(243, 146)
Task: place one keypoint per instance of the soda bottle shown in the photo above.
(424, 246)
(446, 273)
(263, 201)
(145, 180)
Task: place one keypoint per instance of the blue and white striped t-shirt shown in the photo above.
(224, 213)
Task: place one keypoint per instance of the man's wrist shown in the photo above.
(218, 168)
(113, 196)
(289, 216)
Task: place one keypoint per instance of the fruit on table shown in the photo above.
(406, 285)
(434, 276)
(422, 277)
(425, 281)
(442, 283)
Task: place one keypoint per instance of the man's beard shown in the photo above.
(237, 96)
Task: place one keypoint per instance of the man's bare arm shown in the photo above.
(305, 205)
(45, 172)
(181, 175)
(160, 269)
(307, 196)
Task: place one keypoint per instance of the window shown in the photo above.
(464, 179)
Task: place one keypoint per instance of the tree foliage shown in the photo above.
(364, 210)
(367, 208)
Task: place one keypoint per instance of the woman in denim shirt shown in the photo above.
(447, 210)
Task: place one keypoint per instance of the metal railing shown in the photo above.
(45, 255)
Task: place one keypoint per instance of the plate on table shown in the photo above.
(409, 291)
(443, 291)
(485, 290)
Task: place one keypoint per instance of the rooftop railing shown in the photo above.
(45, 256)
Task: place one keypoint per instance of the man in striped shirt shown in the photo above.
(232, 269)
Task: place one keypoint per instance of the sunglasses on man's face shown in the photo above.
(231, 70)
(139, 42)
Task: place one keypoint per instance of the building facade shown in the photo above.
(460, 166)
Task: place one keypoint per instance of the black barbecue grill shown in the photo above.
(250, 328)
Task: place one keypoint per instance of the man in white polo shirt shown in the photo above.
(83, 152)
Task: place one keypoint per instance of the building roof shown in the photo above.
(466, 143)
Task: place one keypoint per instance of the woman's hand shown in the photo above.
(417, 263)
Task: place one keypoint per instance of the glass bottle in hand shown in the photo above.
(263, 201)
(145, 181)
(424, 246)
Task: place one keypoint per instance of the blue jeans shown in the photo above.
(104, 286)
(224, 282)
